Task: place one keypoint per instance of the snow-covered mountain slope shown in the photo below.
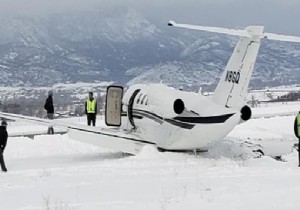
(120, 44)
(202, 62)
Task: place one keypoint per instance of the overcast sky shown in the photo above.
(279, 16)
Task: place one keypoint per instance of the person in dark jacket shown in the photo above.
(3, 141)
(91, 109)
(297, 133)
(49, 106)
(50, 110)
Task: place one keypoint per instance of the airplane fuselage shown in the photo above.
(174, 119)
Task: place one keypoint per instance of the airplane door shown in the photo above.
(113, 106)
(130, 107)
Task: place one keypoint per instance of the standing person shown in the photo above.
(91, 109)
(297, 133)
(50, 110)
(3, 141)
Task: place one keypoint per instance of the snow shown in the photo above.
(277, 109)
(56, 172)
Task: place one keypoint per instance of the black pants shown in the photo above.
(3, 167)
(50, 130)
(91, 117)
(50, 116)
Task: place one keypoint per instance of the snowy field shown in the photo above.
(55, 172)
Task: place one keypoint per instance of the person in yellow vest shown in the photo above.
(91, 109)
(297, 133)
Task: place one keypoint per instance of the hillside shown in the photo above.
(121, 45)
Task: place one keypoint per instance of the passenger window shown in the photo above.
(138, 100)
(143, 99)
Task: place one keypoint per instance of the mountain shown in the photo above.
(201, 64)
(79, 47)
(121, 45)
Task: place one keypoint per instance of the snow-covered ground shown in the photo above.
(56, 172)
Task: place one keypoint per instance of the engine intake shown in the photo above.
(246, 113)
(178, 106)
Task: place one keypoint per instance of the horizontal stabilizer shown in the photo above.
(211, 29)
(283, 38)
(236, 32)
(231, 90)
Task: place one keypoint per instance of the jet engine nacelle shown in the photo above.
(246, 113)
(169, 107)
(178, 106)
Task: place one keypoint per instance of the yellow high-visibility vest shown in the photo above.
(298, 125)
(91, 106)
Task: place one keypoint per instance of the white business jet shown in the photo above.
(172, 119)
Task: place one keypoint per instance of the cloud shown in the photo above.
(65, 5)
(276, 15)
(50, 6)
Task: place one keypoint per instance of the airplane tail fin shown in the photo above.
(232, 88)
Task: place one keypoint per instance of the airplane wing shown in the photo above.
(104, 137)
